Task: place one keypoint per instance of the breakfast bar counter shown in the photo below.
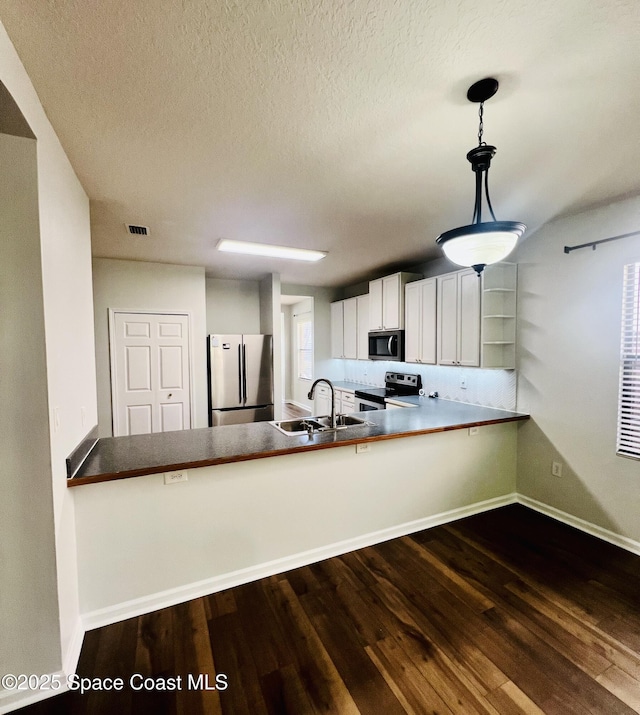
(123, 457)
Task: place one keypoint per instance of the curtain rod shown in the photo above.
(593, 244)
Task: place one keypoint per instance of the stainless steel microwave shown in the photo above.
(386, 345)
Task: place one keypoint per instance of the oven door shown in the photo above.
(362, 405)
(386, 345)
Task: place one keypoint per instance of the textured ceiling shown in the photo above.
(339, 125)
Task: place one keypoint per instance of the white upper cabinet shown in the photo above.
(363, 327)
(337, 330)
(469, 318)
(477, 317)
(392, 303)
(344, 329)
(458, 298)
(452, 319)
(420, 321)
(375, 305)
(350, 328)
(386, 301)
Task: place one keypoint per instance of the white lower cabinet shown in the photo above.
(344, 400)
(322, 401)
(347, 402)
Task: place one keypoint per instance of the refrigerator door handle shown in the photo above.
(244, 374)
(240, 375)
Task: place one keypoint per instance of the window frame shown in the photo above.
(304, 353)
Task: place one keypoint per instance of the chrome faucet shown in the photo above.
(333, 398)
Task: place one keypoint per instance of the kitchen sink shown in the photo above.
(298, 426)
(342, 421)
(313, 425)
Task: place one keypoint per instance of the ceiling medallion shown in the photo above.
(481, 243)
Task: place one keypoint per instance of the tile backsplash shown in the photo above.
(491, 388)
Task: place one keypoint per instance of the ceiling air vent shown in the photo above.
(137, 230)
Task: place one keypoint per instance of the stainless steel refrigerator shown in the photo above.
(240, 379)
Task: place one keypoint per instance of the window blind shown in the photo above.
(629, 395)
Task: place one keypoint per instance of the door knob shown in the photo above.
(169, 396)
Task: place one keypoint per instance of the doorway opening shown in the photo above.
(297, 315)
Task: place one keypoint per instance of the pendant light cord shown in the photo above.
(481, 124)
(477, 209)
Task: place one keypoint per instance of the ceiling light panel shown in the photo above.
(269, 250)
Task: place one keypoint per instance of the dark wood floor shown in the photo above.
(291, 411)
(505, 612)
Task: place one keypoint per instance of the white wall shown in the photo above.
(154, 287)
(48, 639)
(28, 599)
(232, 306)
(139, 538)
(569, 341)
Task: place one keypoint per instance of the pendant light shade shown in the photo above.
(481, 243)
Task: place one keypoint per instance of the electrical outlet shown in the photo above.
(463, 383)
(363, 447)
(556, 469)
(473, 431)
(175, 477)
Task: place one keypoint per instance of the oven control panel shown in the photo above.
(404, 380)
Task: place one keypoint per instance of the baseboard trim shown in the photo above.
(11, 700)
(170, 597)
(593, 529)
(72, 656)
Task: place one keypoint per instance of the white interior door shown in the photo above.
(150, 373)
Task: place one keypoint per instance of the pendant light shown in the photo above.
(482, 242)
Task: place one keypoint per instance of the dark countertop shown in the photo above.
(122, 457)
(346, 385)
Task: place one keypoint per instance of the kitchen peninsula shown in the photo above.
(258, 502)
(123, 457)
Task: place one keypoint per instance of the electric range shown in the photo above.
(396, 384)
